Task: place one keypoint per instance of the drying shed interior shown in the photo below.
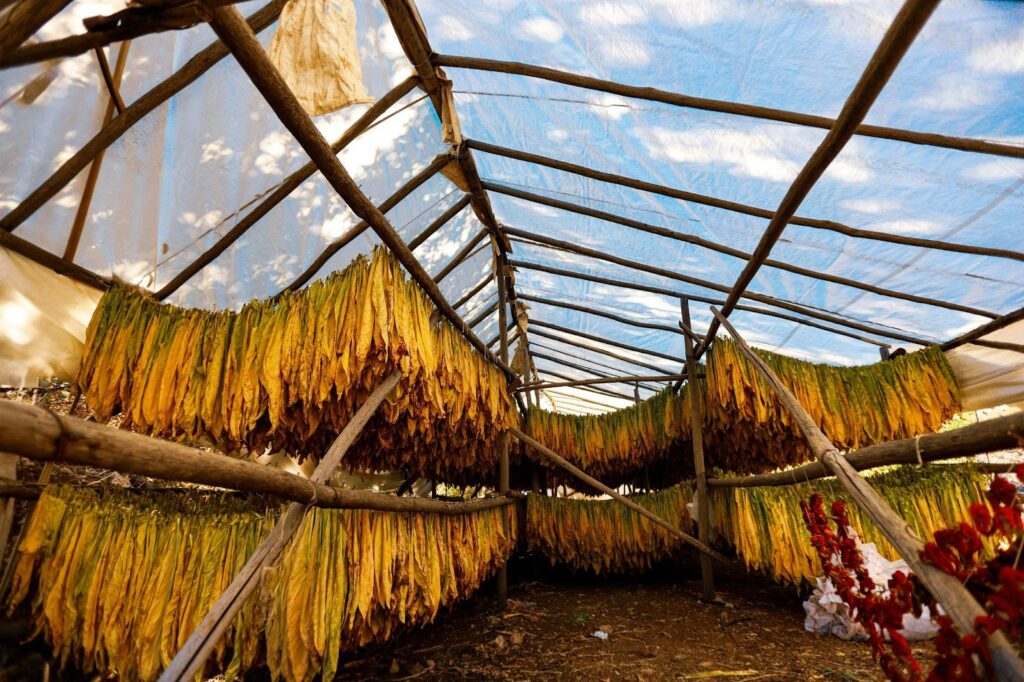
(361, 302)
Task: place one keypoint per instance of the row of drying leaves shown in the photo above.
(997, 584)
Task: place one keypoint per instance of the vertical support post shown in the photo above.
(697, 438)
(884, 352)
(503, 473)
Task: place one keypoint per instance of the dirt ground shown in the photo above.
(657, 630)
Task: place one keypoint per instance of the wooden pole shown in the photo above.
(53, 261)
(975, 334)
(108, 80)
(483, 314)
(958, 603)
(599, 313)
(23, 18)
(539, 385)
(590, 361)
(43, 436)
(292, 182)
(736, 207)
(229, 25)
(626, 379)
(462, 255)
(707, 576)
(113, 104)
(503, 446)
(696, 281)
(1002, 433)
(738, 109)
(594, 349)
(192, 656)
(195, 67)
(560, 461)
(730, 251)
(897, 40)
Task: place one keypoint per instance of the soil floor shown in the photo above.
(657, 630)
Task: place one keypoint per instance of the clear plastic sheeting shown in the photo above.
(187, 172)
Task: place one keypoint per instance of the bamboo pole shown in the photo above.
(195, 67)
(897, 40)
(707, 575)
(627, 379)
(344, 240)
(958, 603)
(737, 207)
(720, 106)
(560, 461)
(192, 656)
(290, 184)
(730, 251)
(41, 435)
(714, 286)
(231, 28)
(113, 83)
(1001, 433)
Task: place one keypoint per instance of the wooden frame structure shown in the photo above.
(49, 437)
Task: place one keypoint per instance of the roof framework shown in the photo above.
(238, 38)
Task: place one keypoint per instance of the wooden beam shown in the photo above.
(897, 40)
(696, 281)
(697, 440)
(292, 182)
(625, 379)
(1002, 433)
(958, 603)
(538, 385)
(192, 656)
(498, 272)
(108, 81)
(560, 461)
(533, 343)
(589, 370)
(40, 435)
(729, 251)
(484, 314)
(975, 334)
(736, 207)
(195, 67)
(440, 222)
(600, 313)
(23, 18)
(599, 339)
(75, 236)
(724, 107)
(53, 261)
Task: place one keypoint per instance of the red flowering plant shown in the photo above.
(996, 583)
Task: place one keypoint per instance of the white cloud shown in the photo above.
(956, 92)
(700, 12)
(907, 226)
(750, 154)
(557, 134)
(623, 52)
(542, 29)
(611, 107)
(611, 14)
(871, 205)
(1002, 56)
(997, 169)
(452, 28)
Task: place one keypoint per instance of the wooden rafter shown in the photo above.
(737, 207)
(633, 286)
(23, 18)
(589, 370)
(696, 281)
(595, 349)
(724, 107)
(730, 251)
(600, 313)
(599, 339)
(897, 40)
(230, 26)
(624, 379)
